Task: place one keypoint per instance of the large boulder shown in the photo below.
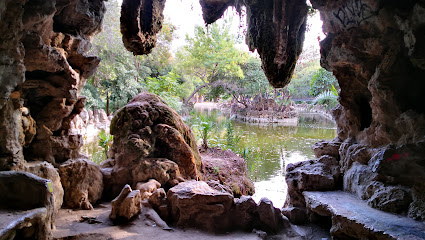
(82, 182)
(195, 204)
(47, 171)
(322, 174)
(151, 141)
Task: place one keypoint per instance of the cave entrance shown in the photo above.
(176, 71)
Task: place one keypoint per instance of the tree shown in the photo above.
(120, 75)
(210, 57)
(322, 81)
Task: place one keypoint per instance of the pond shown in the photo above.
(267, 149)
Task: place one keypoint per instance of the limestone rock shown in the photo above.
(321, 174)
(295, 214)
(352, 218)
(47, 171)
(270, 218)
(82, 182)
(330, 148)
(195, 204)
(126, 205)
(214, 9)
(227, 171)
(147, 128)
(244, 213)
(139, 28)
(147, 188)
(164, 171)
(158, 201)
(27, 206)
(276, 30)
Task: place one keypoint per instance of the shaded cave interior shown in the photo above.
(376, 50)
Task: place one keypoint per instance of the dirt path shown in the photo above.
(69, 227)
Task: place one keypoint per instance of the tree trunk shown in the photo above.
(107, 103)
(185, 102)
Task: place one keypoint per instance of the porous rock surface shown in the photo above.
(150, 142)
(126, 205)
(140, 23)
(47, 171)
(375, 50)
(82, 182)
(353, 219)
(45, 62)
(196, 204)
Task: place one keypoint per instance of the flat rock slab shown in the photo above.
(11, 220)
(352, 217)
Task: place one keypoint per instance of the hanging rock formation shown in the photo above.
(141, 20)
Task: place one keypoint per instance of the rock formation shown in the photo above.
(126, 205)
(140, 22)
(44, 65)
(374, 48)
(198, 205)
(150, 142)
(82, 182)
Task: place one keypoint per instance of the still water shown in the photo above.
(267, 149)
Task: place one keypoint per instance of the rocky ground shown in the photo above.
(71, 225)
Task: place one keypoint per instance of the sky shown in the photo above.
(186, 14)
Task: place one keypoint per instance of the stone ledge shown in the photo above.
(12, 220)
(352, 217)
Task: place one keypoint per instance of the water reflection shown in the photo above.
(269, 148)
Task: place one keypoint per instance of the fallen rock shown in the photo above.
(270, 218)
(164, 171)
(195, 204)
(321, 174)
(82, 182)
(127, 205)
(158, 201)
(147, 188)
(244, 213)
(47, 171)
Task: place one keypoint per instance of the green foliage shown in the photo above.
(322, 81)
(105, 140)
(120, 75)
(210, 57)
(203, 125)
(232, 140)
(328, 99)
(299, 87)
(167, 87)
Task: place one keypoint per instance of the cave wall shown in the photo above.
(376, 51)
(44, 63)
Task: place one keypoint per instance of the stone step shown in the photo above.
(353, 218)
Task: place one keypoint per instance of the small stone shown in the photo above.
(126, 205)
